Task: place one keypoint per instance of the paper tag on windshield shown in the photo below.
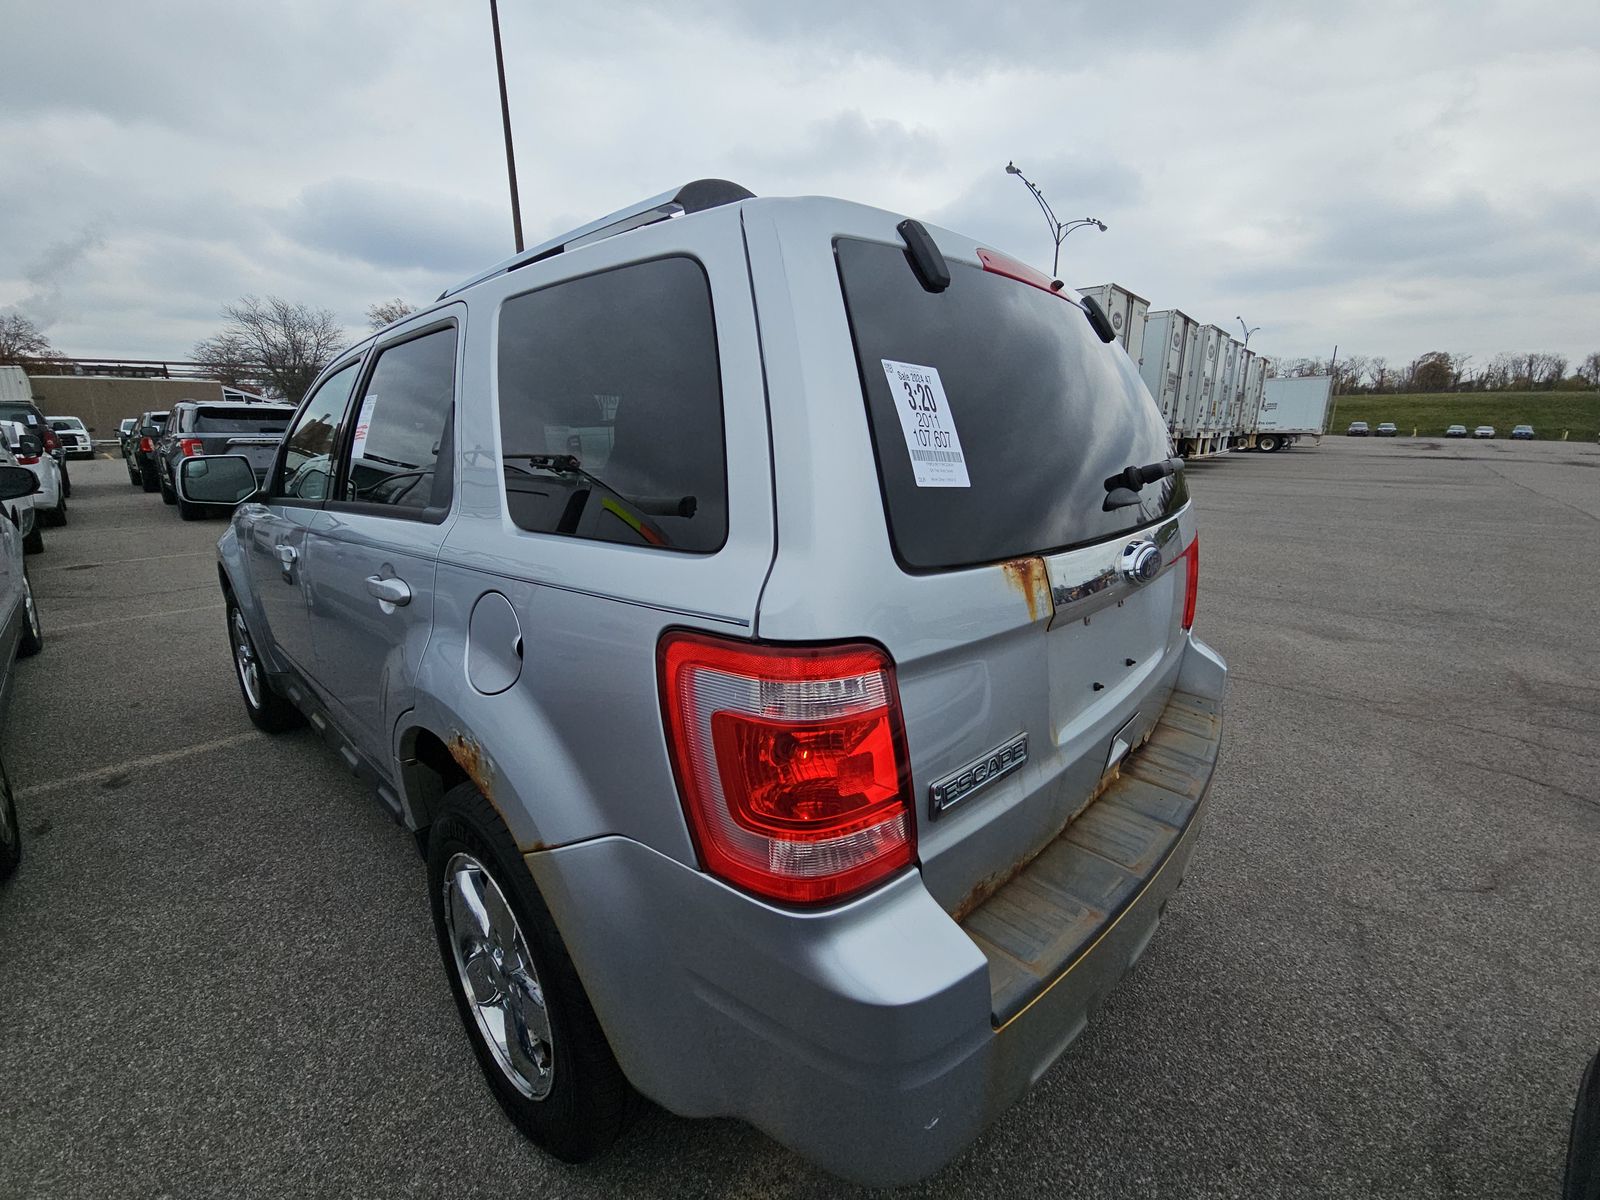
(929, 426)
(363, 423)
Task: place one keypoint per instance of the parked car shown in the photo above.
(74, 435)
(29, 416)
(20, 636)
(1523, 433)
(1582, 1180)
(1386, 429)
(852, 862)
(19, 509)
(1483, 431)
(50, 500)
(1456, 431)
(1357, 429)
(141, 454)
(125, 429)
(197, 428)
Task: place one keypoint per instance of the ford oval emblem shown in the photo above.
(1141, 562)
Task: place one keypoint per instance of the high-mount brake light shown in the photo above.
(1191, 585)
(791, 763)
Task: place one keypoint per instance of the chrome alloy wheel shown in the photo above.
(244, 658)
(498, 976)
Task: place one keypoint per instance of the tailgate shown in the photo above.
(259, 449)
(941, 457)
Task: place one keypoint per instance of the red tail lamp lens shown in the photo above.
(791, 763)
(1191, 587)
(146, 445)
(191, 446)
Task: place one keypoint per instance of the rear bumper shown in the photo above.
(872, 1038)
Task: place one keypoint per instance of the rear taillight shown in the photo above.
(791, 763)
(28, 460)
(146, 445)
(191, 446)
(48, 436)
(1191, 585)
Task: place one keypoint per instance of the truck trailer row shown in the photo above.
(1213, 391)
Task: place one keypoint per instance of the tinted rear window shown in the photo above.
(611, 409)
(239, 420)
(1005, 386)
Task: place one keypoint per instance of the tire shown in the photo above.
(147, 479)
(133, 473)
(57, 516)
(190, 512)
(574, 1099)
(1583, 1144)
(1267, 443)
(268, 711)
(10, 829)
(66, 481)
(34, 542)
(169, 494)
(32, 640)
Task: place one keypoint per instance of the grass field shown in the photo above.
(1548, 412)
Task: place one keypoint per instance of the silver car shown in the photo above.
(774, 624)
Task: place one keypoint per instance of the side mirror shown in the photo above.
(17, 482)
(217, 479)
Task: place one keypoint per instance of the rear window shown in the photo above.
(1014, 414)
(216, 419)
(611, 409)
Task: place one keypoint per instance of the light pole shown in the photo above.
(1248, 330)
(505, 119)
(1058, 229)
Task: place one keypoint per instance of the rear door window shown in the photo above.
(1004, 416)
(611, 409)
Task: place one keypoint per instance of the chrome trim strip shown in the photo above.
(1082, 582)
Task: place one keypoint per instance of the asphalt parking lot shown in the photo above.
(217, 974)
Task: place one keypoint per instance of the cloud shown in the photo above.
(389, 226)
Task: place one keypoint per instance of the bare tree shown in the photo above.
(272, 344)
(22, 343)
(1378, 372)
(387, 312)
(1591, 369)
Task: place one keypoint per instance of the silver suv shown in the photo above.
(772, 617)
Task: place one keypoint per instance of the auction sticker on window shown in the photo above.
(929, 426)
(363, 424)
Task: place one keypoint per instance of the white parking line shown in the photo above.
(134, 765)
(167, 612)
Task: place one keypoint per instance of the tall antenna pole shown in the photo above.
(505, 117)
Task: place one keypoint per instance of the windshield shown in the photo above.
(66, 424)
(996, 414)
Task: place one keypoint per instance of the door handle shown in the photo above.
(286, 560)
(389, 590)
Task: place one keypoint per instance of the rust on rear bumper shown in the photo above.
(1052, 910)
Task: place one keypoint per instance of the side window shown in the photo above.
(308, 447)
(611, 409)
(402, 433)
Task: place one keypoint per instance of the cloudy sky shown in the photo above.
(1392, 177)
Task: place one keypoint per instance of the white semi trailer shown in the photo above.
(1127, 312)
(1168, 361)
(1195, 432)
(1292, 409)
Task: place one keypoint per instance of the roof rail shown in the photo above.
(693, 197)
